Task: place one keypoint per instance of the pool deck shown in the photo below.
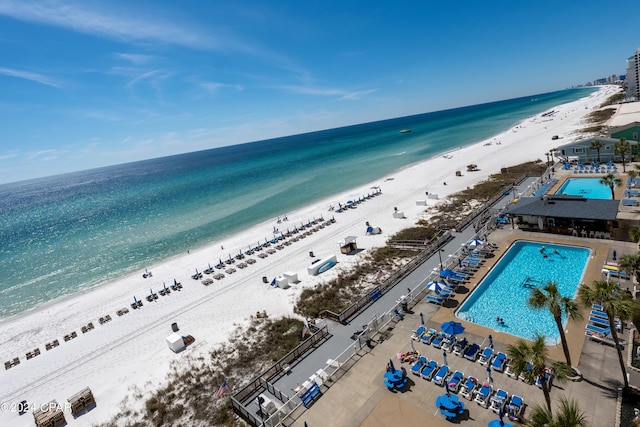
(360, 398)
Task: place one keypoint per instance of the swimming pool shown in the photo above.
(589, 188)
(505, 290)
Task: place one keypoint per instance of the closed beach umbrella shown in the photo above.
(393, 369)
(490, 341)
(444, 357)
(446, 385)
(421, 319)
(614, 256)
(452, 328)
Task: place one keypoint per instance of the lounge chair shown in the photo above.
(435, 299)
(447, 344)
(598, 331)
(498, 400)
(523, 376)
(428, 336)
(398, 314)
(508, 370)
(485, 357)
(460, 346)
(455, 381)
(441, 375)
(469, 387)
(471, 353)
(484, 394)
(417, 334)
(514, 409)
(499, 362)
(438, 340)
(429, 370)
(548, 378)
(418, 365)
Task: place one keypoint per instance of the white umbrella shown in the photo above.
(475, 242)
(436, 286)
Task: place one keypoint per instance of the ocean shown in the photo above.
(66, 233)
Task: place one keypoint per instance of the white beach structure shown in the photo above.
(175, 342)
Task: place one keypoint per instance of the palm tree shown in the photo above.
(549, 297)
(535, 354)
(611, 181)
(622, 148)
(568, 415)
(630, 264)
(634, 234)
(616, 304)
(596, 145)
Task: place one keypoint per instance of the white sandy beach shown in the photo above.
(130, 350)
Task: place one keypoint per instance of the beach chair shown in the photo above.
(398, 314)
(471, 353)
(468, 388)
(484, 394)
(435, 299)
(508, 370)
(417, 366)
(548, 378)
(429, 370)
(417, 334)
(455, 381)
(460, 346)
(438, 340)
(514, 409)
(441, 375)
(447, 344)
(485, 357)
(428, 336)
(498, 400)
(597, 330)
(499, 362)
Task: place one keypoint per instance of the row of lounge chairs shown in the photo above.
(598, 328)
(469, 388)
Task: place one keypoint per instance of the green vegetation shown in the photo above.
(568, 414)
(612, 182)
(188, 397)
(550, 298)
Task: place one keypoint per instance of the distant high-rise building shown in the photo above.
(633, 74)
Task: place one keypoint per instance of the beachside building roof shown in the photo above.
(560, 206)
(630, 132)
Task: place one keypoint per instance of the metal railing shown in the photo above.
(387, 283)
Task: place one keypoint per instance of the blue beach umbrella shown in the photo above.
(444, 357)
(393, 369)
(475, 242)
(614, 256)
(446, 385)
(499, 423)
(436, 286)
(421, 319)
(447, 273)
(452, 328)
(490, 341)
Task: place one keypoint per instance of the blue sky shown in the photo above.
(92, 83)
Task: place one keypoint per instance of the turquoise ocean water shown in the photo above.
(65, 233)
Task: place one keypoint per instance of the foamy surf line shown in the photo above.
(130, 350)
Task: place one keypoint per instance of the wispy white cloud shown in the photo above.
(135, 58)
(45, 155)
(149, 76)
(103, 22)
(28, 75)
(9, 155)
(341, 93)
(211, 88)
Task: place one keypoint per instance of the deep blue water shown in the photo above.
(68, 232)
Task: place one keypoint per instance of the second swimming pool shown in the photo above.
(589, 188)
(506, 288)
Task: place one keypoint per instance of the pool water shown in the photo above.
(589, 188)
(505, 290)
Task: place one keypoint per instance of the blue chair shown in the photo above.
(435, 299)
(485, 357)
(428, 336)
(417, 366)
(441, 375)
(472, 352)
(484, 394)
(438, 340)
(417, 334)
(455, 381)
(429, 370)
(499, 400)
(469, 387)
(515, 407)
(499, 362)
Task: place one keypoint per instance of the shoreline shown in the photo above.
(114, 359)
